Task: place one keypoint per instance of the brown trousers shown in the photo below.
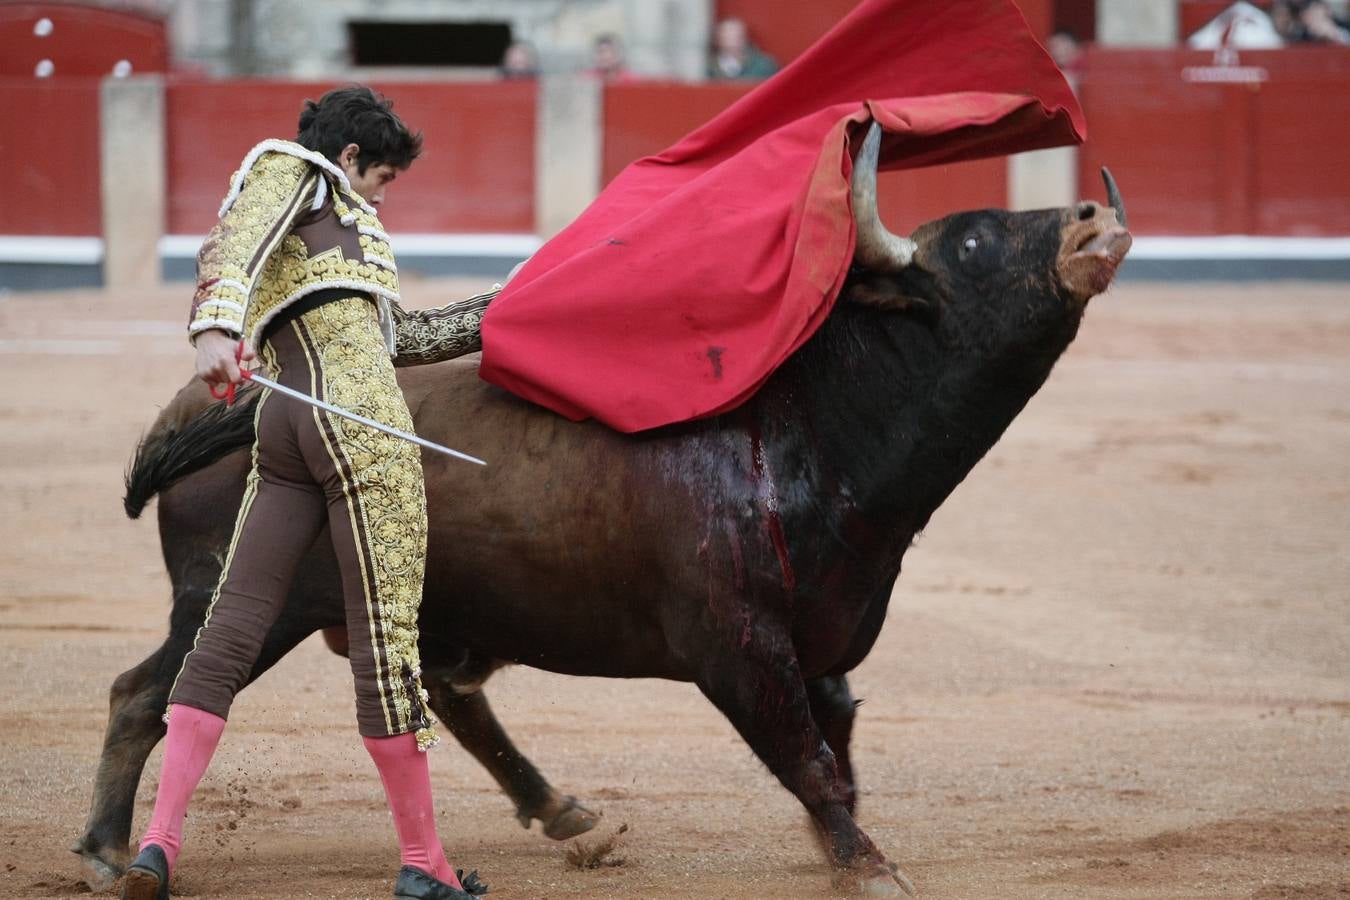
(312, 468)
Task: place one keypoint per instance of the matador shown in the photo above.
(298, 272)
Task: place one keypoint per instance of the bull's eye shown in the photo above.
(969, 245)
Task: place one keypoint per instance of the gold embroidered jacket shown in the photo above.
(291, 225)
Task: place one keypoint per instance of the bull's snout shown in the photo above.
(1094, 243)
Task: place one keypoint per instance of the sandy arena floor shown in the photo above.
(1118, 664)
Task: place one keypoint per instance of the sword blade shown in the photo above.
(378, 426)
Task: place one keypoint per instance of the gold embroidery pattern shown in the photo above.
(385, 492)
(290, 273)
(273, 192)
(445, 332)
(251, 267)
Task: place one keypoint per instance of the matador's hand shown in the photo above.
(216, 361)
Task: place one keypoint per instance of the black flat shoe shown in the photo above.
(147, 877)
(414, 884)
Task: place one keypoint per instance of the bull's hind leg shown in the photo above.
(759, 688)
(137, 702)
(461, 705)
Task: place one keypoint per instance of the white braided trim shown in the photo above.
(382, 294)
(203, 324)
(387, 325)
(347, 218)
(228, 305)
(290, 149)
(233, 285)
(372, 232)
(380, 261)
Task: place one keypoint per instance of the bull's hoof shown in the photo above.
(101, 869)
(573, 819)
(875, 880)
(563, 819)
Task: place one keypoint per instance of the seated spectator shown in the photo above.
(1284, 16)
(1242, 26)
(1320, 26)
(519, 61)
(607, 63)
(734, 55)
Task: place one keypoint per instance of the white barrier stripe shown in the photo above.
(51, 347)
(43, 249)
(1238, 246)
(89, 250)
(180, 246)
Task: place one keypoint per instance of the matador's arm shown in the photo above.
(432, 335)
(267, 193)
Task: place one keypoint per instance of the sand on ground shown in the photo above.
(1116, 666)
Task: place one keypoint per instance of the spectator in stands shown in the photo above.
(1284, 16)
(607, 62)
(519, 61)
(734, 55)
(1242, 26)
(1320, 26)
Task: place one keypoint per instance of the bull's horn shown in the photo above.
(1113, 197)
(877, 248)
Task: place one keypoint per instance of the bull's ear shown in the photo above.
(886, 292)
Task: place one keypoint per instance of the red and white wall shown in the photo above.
(1257, 156)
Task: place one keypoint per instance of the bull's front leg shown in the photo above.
(833, 709)
(461, 705)
(759, 688)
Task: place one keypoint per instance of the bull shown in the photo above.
(752, 554)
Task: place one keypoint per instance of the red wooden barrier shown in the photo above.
(50, 157)
(646, 117)
(1199, 157)
(79, 40)
(476, 172)
(1192, 157)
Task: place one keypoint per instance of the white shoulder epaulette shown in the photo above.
(290, 148)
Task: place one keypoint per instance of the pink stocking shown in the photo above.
(407, 785)
(193, 735)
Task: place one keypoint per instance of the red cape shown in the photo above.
(696, 272)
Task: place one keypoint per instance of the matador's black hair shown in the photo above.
(354, 114)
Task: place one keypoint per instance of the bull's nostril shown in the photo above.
(1086, 211)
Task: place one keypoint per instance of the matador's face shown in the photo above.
(373, 182)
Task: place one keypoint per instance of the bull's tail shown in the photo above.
(170, 451)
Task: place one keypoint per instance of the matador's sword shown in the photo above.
(228, 396)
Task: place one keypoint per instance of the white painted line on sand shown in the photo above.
(44, 347)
